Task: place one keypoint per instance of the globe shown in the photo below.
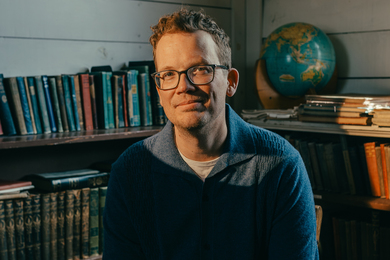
(299, 57)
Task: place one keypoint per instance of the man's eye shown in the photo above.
(167, 75)
(202, 70)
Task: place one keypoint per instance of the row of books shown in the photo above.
(101, 99)
(360, 169)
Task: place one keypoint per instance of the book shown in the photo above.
(336, 238)
(380, 170)
(145, 101)
(62, 103)
(6, 119)
(315, 165)
(36, 224)
(110, 106)
(12, 91)
(49, 105)
(72, 87)
(101, 99)
(85, 223)
(102, 203)
(305, 153)
(384, 164)
(124, 100)
(45, 226)
(53, 226)
(24, 104)
(77, 224)
(34, 104)
(117, 90)
(372, 167)
(1, 129)
(16, 191)
(348, 166)
(340, 167)
(3, 232)
(334, 108)
(312, 112)
(61, 225)
(93, 102)
(28, 228)
(7, 184)
(78, 100)
(42, 104)
(86, 101)
(132, 94)
(94, 222)
(19, 229)
(56, 104)
(69, 222)
(68, 102)
(10, 228)
(336, 120)
(330, 162)
(357, 172)
(30, 107)
(364, 169)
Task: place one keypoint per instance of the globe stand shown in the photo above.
(271, 99)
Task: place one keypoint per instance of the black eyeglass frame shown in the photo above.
(154, 75)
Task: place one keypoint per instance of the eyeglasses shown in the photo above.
(197, 75)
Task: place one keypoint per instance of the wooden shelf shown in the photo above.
(353, 200)
(295, 125)
(9, 142)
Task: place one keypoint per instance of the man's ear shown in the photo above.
(233, 78)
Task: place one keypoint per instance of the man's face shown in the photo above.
(189, 106)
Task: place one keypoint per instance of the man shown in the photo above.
(209, 185)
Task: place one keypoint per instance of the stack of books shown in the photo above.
(14, 189)
(61, 218)
(84, 101)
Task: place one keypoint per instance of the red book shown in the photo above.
(124, 102)
(372, 167)
(93, 101)
(86, 95)
(6, 185)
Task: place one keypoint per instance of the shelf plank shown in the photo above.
(353, 200)
(298, 126)
(10, 142)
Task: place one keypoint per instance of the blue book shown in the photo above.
(25, 108)
(34, 104)
(68, 103)
(42, 104)
(74, 103)
(7, 122)
(133, 98)
(110, 106)
(49, 105)
(145, 101)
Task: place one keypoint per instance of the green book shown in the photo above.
(61, 225)
(69, 222)
(3, 234)
(110, 106)
(10, 226)
(19, 228)
(28, 222)
(94, 222)
(55, 103)
(102, 203)
(68, 103)
(77, 224)
(42, 104)
(62, 104)
(13, 96)
(36, 225)
(45, 220)
(85, 223)
(53, 226)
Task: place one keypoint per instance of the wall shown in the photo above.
(359, 31)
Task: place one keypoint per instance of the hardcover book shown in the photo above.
(329, 159)
(56, 104)
(62, 103)
(28, 229)
(36, 226)
(315, 165)
(102, 204)
(102, 99)
(69, 222)
(45, 222)
(110, 105)
(77, 224)
(132, 94)
(72, 88)
(305, 153)
(10, 228)
(19, 229)
(53, 226)
(27, 91)
(323, 166)
(49, 105)
(385, 165)
(348, 166)
(380, 170)
(6, 119)
(78, 99)
(42, 104)
(93, 101)
(24, 103)
(145, 101)
(12, 91)
(86, 100)
(68, 103)
(85, 223)
(3, 232)
(61, 225)
(94, 222)
(117, 90)
(34, 104)
(372, 167)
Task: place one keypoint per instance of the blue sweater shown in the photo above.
(256, 203)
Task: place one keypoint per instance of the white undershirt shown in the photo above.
(202, 169)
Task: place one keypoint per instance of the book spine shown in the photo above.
(49, 105)
(110, 107)
(158, 110)
(61, 225)
(94, 222)
(102, 204)
(19, 228)
(74, 103)
(68, 103)
(329, 159)
(86, 97)
(34, 104)
(26, 89)
(85, 223)
(36, 217)
(380, 170)
(5, 112)
(24, 104)
(16, 106)
(99, 179)
(55, 103)
(316, 168)
(372, 167)
(10, 228)
(78, 100)
(146, 105)
(133, 98)
(62, 103)
(348, 167)
(93, 102)
(45, 220)
(3, 233)
(384, 169)
(28, 227)
(42, 104)
(121, 122)
(77, 224)
(69, 222)
(124, 102)
(53, 226)
(115, 100)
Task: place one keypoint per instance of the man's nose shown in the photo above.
(184, 84)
